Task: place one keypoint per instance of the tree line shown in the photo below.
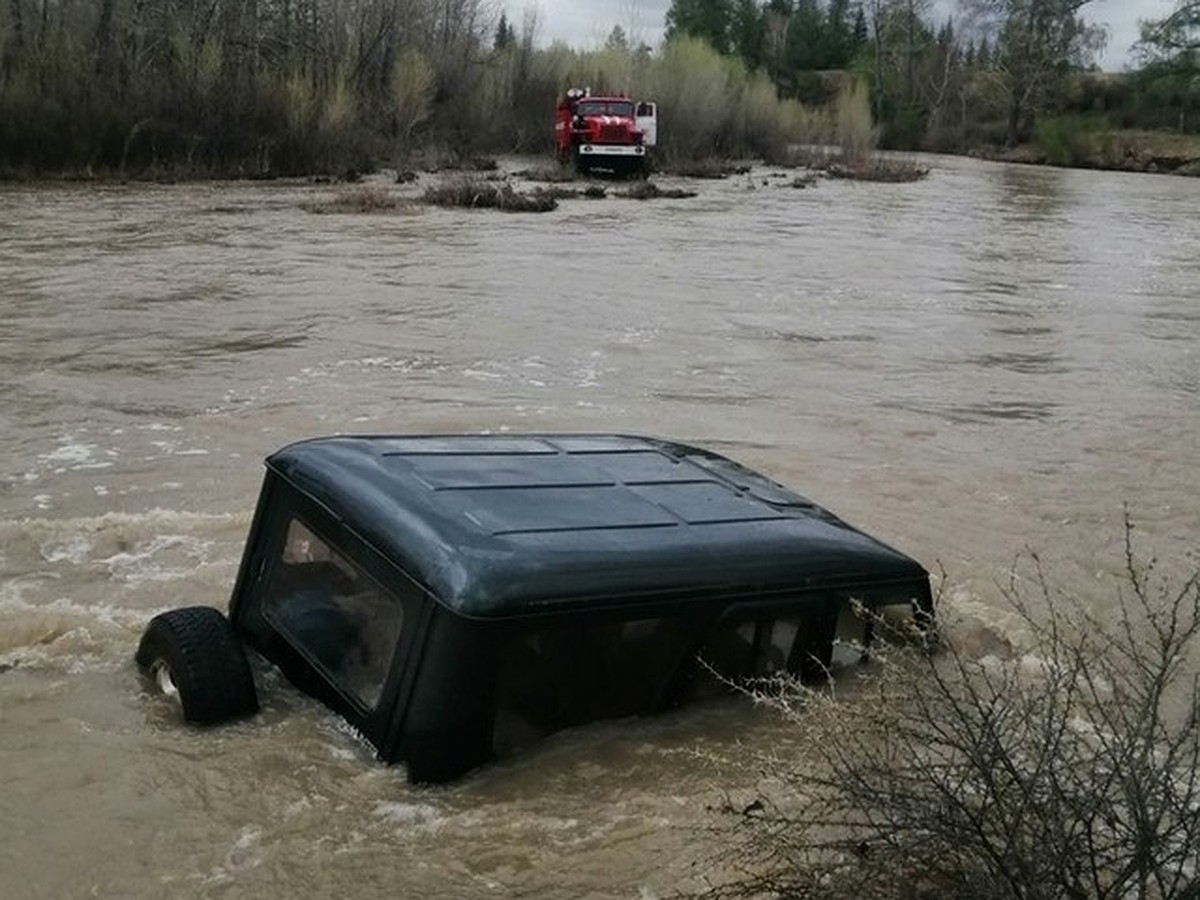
(982, 76)
(225, 85)
(279, 87)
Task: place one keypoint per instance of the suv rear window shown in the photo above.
(335, 614)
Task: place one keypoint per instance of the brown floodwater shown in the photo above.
(995, 360)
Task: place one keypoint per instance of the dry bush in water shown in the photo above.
(473, 193)
(367, 198)
(1069, 771)
(879, 169)
(648, 190)
(549, 174)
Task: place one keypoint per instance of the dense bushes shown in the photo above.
(249, 89)
(1070, 140)
(709, 105)
(243, 87)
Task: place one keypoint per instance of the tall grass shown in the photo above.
(856, 132)
(1071, 140)
(412, 82)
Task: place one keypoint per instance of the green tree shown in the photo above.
(504, 34)
(1169, 81)
(617, 41)
(1038, 44)
(806, 37)
(708, 20)
(747, 33)
(859, 33)
(839, 35)
(1178, 33)
(897, 34)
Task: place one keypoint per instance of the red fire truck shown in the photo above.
(610, 133)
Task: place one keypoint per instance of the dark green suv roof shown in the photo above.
(507, 525)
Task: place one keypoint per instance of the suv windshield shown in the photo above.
(604, 108)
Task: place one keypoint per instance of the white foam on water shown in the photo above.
(406, 813)
(149, 519)
(62, 611)
(173, 448)
(139, 564)
(242, 856)
(170, 551)
(61, 635)
(13, 591)
(74, 454)
(74, 549)
(482, 375)
(70, 453)
(981, 629)
(333, 723)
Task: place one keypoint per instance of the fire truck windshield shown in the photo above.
(604, 108)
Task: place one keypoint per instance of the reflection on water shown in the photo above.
(1029, 362)
(1031, 194)
(995, 359)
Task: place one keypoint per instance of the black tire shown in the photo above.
(194, 654)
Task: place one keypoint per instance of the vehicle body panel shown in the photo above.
(424, 586)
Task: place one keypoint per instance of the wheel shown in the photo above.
(194, 657)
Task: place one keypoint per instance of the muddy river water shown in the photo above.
(993, 360)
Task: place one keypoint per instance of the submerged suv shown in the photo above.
(452, 596)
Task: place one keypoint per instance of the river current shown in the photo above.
(994, 361)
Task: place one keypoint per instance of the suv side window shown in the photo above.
(335, 614)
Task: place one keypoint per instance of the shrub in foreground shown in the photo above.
(1069, 770)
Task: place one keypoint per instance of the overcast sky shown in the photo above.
(586, 23)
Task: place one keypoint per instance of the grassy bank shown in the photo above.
(1077, 142)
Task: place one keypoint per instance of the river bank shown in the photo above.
(1151, 152)
(1148, 152)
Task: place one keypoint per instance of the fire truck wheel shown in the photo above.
(194, 658)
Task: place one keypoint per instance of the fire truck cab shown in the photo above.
(611, 133)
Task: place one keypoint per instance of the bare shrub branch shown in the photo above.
(1065, 770)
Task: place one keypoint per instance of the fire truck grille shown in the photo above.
(612, 133)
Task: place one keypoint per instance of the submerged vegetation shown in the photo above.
(360, 199)
(648, 190)
(1067, 766)
(473, 193)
